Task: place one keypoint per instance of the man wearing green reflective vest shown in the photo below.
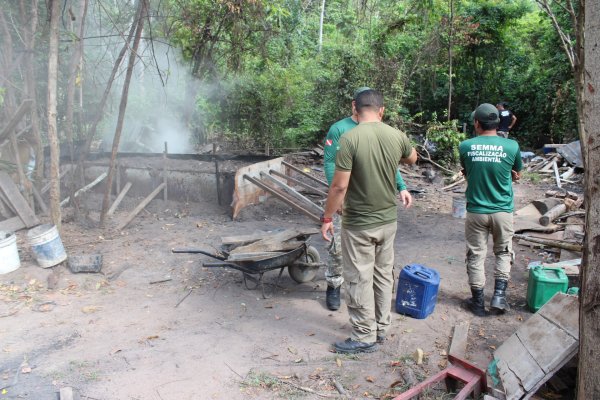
(334, 271)
(490, 165)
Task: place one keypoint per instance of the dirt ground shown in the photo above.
(157, 325)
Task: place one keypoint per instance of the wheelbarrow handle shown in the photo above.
(198, 251)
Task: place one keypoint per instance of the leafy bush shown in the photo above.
(446, 137)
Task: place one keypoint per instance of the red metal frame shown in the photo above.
(459, 370)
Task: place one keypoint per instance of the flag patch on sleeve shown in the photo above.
(328, 142)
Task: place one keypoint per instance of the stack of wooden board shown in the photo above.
(14, 209)
(539, 348)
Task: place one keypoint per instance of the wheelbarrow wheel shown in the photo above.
(303, 274)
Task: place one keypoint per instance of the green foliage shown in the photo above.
(446, 136)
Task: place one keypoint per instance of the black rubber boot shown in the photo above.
(499, 299)
(477, 302)
(332, 298)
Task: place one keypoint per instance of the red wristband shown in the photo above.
(326, 220)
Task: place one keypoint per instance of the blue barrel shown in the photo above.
(46, 245)
(417, 291)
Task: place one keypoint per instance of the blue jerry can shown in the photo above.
(417, 291)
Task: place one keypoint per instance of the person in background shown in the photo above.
(364, 181)
(490, 164)
(334, 271)
(507, 119)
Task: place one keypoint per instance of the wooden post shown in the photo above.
(118, 179)
(217, 174)
(140, 207)
(119, 198)
(165, 192)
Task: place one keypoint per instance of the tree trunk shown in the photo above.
(588, 380)
(321, 25)
(122, 107)
(29, 20)
(100, 109)
(55, 213)
(450, 33)
(73, 70)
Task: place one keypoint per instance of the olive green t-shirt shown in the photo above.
(371, 151)
(488, 161)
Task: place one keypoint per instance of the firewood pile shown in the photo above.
(565, 166)
(558, 226)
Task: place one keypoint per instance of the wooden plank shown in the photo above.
(546, 342)
(140, 207)
(556, 175)
(253, 237)
(303, 201)
(12, 224)
(510, 382)
(458, 345)
(20, 205)
(274, 242)
(15, 119)
(520, 362)
(119, 198)
(563, 310)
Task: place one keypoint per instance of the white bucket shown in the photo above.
(9, 255)
(459, 207)
(46, 245)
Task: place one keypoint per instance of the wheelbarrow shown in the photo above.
(302, 263)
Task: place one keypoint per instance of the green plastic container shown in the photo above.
(543, 284)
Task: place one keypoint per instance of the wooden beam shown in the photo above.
(305, 174)
(12, 224)
(119, 198)
(552, 243)
(16, 118)
(282, 197)
(298, 182)
(18, 202)
(304, 202)
(140, 207)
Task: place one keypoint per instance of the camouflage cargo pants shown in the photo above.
(335, 268)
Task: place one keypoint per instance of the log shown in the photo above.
(241, 240)
(547, 204)
(552, 243)
(552, 214)
(119, 198)
(568, 174)
(279, 241)
(140, 207)
(85, 188)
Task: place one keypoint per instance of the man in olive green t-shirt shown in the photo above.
(364, 181)
(334, 271)
(490, 165)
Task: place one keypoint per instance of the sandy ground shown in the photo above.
(118, 335)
